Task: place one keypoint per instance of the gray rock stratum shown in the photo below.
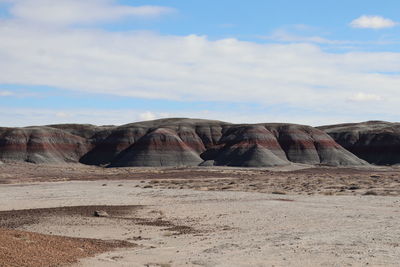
(174, 142)
(377, 142)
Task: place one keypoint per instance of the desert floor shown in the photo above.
(298, 216)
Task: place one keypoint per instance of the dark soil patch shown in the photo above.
(23, 249)
(17, 218)
(182, 230)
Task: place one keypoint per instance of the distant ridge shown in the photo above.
(175, 142)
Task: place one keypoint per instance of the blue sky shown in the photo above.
(115, 62)
(247, 20)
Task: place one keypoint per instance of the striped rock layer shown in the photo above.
(174, 142)
(377, 142)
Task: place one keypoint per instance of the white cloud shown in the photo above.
(20, 93)
(66, 12)
(148, 115)
(363, 97)
(372, 22)
(6, 93)
(62, 114)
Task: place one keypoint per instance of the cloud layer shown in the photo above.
(193, 67)
(362, 97)
(66, 12)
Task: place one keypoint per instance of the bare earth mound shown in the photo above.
(175, 142)
(377, 142)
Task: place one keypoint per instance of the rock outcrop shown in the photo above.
(174, 142)
(377, 142)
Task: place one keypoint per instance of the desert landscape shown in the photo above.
(173, 133)
(274, 195)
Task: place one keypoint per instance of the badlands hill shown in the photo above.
(175, 142)
(377, 142)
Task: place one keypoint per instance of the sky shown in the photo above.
(115, 62)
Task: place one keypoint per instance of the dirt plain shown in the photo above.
(292, 179)
(294, 216)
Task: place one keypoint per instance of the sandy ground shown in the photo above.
(218, 227)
